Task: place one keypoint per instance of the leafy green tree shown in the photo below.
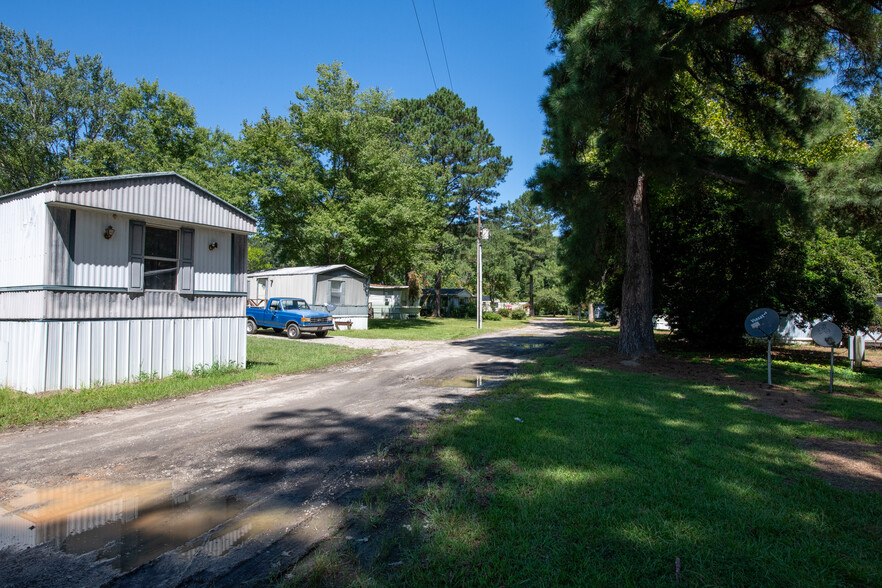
(621, 107)
(841, 281)
(549, 301)
(259, 257)
(151, 130)
(716, 260)
(452, 142)
(499, 265)
(845, 190)
(868, 109)
(334, 185)
(498, 268)
(48, 105)
(534, 242)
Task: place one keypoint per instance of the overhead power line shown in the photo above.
(426, 49)
(438, 22)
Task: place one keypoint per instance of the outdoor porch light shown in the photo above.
(212, 246)
(108, 232)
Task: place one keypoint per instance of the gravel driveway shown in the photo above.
(223, 487)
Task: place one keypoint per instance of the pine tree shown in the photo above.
(620, 106)
(451, 140)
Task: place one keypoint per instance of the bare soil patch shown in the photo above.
(845, 465)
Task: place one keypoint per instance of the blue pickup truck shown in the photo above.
(292, 315)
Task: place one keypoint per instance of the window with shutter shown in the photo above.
(185, 270)
(160, 259)
(136, 256)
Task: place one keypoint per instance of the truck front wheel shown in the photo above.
(250, 326)
(293, 331)
(320, 334)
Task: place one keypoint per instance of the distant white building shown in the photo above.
(343, 286)
(103, 280)
(392, 302)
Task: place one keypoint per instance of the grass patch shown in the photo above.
(427, 329)
(856, 394)
(266, 357)
(610, 478)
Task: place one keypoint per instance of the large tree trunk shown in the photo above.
(590, 312)
(636, 338)
(436, 310)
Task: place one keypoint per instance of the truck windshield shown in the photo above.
(294, 305)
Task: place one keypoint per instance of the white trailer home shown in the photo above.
(340, 285)
(105, 279)
(392, 302)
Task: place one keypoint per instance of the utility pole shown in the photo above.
(480, 312)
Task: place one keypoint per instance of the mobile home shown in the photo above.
(106, 280)
(340, 285)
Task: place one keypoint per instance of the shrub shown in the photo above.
(469, 310)
(491, 316)
(504, 312)
(518, 314)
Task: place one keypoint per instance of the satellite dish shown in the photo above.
(826, 334)
(331, 307)
(762, 323)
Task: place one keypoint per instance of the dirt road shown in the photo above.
(224, 486)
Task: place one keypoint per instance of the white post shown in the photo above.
(480, 313)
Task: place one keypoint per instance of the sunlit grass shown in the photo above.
(427, 329)
(266, 357)
(857, 394)
(598, 477)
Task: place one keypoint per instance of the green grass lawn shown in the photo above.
(856, 394)
(427, 329)
(591, 477)
(265, 357)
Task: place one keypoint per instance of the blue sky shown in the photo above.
(233, 59)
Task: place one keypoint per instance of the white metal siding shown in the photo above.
(42, 356)
(23, 345)
(157, 197)
(152, 304)
(212, 266)
(100, 262)
(353, 291)
(20, 305)
(22, 240)
(378, 298)
(290, 286)
(16, 531)
(359, 321)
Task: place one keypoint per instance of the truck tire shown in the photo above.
(293, 331)
(320, 334)
(250, 326)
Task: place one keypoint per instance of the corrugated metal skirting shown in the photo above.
(57, 355)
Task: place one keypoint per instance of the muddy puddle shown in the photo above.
(528, 345)
(474, 381)
(130, 524)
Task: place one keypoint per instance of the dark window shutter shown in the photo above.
(61, 246)
(136, 256)
(186, 281)
(238, 262)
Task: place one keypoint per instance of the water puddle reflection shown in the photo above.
(132, 523)
(461, 381)
(528, 345)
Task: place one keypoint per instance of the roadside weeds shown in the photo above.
(267, 358)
